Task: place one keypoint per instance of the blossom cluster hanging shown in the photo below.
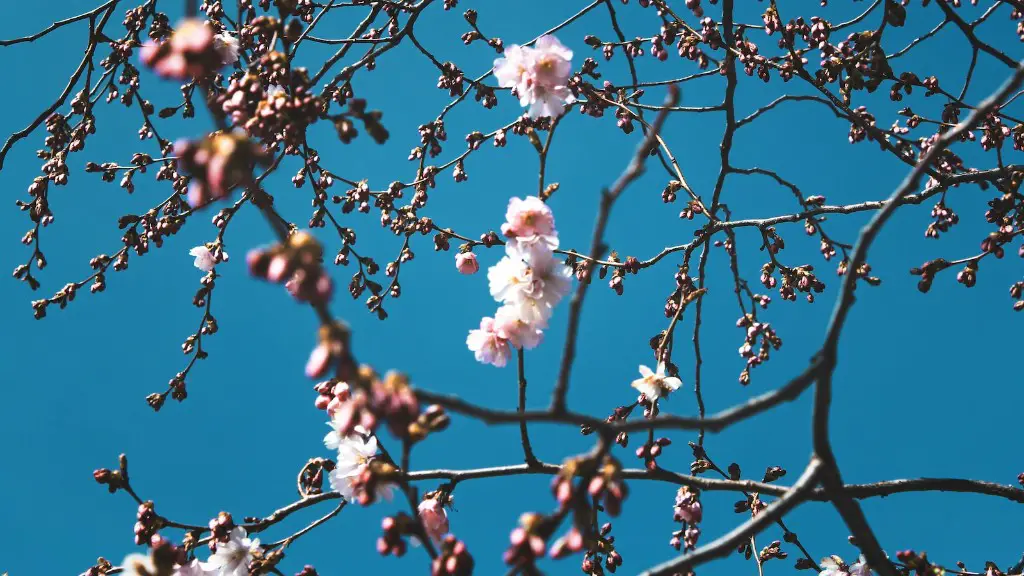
(528, 281)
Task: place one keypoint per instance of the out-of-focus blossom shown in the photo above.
(218, 164)
(138, 565)
(193, 568)
(453, 559)
(193, 51)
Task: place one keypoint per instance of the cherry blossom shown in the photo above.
(532, 283)
(205, 259)
(434, 517)
(218, 163)
(354, 454)
(232, 557)
(520, 334)
(227, 46)
(511, 69)
(193, 568)
(539, 75)
(529, 225)
(488, 345)
(834, 566)
(193, 51)
(138, 565)
(466, 263)
(654, 385)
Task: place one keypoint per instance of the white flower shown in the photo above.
(193, 568)
(860, 568)
(138, 565)
(834, 566)
(205, 260)
(345, 485)
(532, 283)
(556, 276)
(654, 385)
(354, 453)
(227, 46)
(539, 75)
(232, 557)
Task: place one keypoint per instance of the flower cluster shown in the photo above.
(356, 474)
(218, 163)
(297, 264)
(539, 76)
(272, 109)
(453, 560)
(232, 553)
(529, 282)
(194, 50)
(834, 566)
(687, 509)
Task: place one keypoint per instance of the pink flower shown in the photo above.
(687, 506)
(218, 163)
(191, 52)
(434, 517)
(539, 75)
(205, 259)
(520, 334)
(487, 345)
(466, 263)
(530, 225)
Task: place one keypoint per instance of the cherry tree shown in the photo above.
(240, 77)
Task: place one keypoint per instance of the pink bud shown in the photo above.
(278, 268)
(466, 263)
(318, 362)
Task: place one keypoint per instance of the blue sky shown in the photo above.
(924, 387)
